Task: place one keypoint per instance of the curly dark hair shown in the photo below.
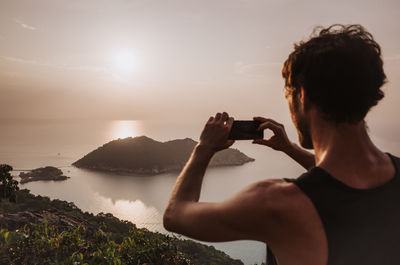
(340, 69)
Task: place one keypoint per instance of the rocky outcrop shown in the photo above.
(143, 155)
(13, 221)
(43, 173)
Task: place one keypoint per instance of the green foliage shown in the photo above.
(44, 244)
(8, 186)
(101, 239)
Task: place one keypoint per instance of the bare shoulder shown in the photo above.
(267, 200)
(282, 197)
(276, 193)
(293, 217)
(283, 205)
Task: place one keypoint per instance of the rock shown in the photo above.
(43, 173)
(13, 221)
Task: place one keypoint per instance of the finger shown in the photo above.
(258, 118)
(272, 126)
(224, 116)
(218, 116)
(262, 119)
(210, 119)
(229, 122)
(261, 141)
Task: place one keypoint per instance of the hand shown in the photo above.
(216, 131)
(279, 141)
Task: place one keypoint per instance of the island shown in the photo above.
(143, 155)
(43, 173)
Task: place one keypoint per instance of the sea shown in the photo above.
(29, 144)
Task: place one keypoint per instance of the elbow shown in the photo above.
(173, 216)
(169, 220)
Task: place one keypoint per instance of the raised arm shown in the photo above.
(249, 214)
(279, 141)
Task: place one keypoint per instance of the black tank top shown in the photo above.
(362, 226)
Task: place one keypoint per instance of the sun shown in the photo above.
(125, 128)
(125, 62)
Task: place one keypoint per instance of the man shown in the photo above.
(345, 208)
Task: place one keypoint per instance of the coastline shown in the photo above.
(150, 172)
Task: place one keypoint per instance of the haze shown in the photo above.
(119, 59)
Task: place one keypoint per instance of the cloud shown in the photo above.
(24, 25)
(81, 68)
(106, 4)
(19, 60)
(256, 69)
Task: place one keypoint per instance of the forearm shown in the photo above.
(187, 187)
(301, 156)
(189, 181)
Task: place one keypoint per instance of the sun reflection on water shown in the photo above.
(139, 213)
(126, 128)
(135, 211)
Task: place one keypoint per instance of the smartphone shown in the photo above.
(246, 130)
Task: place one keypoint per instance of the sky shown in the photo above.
(171, 59)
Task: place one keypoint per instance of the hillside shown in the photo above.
(37, 230)
(143, 155)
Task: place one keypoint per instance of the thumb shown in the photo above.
(261, 141)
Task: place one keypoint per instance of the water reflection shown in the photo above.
(126, 128)
(135, 211)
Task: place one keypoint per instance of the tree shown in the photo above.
(8, 186)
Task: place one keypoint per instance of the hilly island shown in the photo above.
(143, 155)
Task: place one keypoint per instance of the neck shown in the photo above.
(340, 144)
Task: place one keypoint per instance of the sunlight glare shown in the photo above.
(125, 62)
(125, 128)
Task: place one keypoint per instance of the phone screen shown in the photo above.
(245, 130)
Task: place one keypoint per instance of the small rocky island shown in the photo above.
(43, 173)
(143, 155)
